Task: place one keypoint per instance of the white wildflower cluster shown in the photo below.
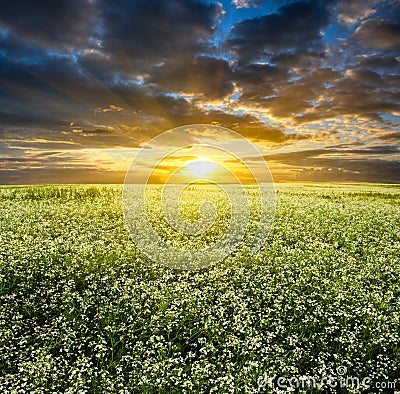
(82, 310)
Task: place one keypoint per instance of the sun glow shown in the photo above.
(202, 167)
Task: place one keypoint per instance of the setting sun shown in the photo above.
(202, 167)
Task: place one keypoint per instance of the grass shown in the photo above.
(82, 310)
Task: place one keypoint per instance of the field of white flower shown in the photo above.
(83, 310)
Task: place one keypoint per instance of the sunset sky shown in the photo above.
(86, 83)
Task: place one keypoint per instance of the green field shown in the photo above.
(82, 310)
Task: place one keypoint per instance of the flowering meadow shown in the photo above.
(82, 310)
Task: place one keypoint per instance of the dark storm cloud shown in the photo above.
(145, 31)
(270, 86)
(259, 132)
(293, 26)
(379, 34)
(294, 99)
(303, 59)
(163, 40)
(27, 100)
(158, 43)
(304, 81)
(332, 164)
(67, 139)
(57, 24)
(300, 87)
(142, 112)
(77, 174)
(388, 136)
(383, 63)
(258, 80)
(51, 90)
(55, 90)
(365, 93)
(205, 76)
(337, 156)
